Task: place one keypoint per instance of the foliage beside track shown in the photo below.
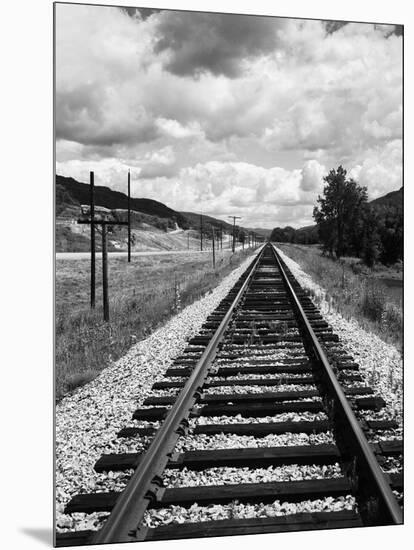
(353, 291)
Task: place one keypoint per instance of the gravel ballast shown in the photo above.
(227, 475)
(233, 441)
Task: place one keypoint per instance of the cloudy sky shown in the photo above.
(227, 114)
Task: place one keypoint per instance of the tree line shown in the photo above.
(304, 235)
(350, 226)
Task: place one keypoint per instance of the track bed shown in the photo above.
(263, 424)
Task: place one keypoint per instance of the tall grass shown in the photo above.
(354, 292)
(142, 297)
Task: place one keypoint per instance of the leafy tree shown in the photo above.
(339, 210)
(390, 229)
(369, 242)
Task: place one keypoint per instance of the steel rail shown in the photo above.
(123, 523)
(378, 506)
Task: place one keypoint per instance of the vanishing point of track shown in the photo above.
(266, 310)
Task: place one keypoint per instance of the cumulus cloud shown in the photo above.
(98, 59)
(240, 114)
(350, 92)
(174, 129)
(312, 175)
(218, 43)
(381, 169)
(158, 163)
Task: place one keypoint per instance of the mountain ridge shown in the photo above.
(71, 194)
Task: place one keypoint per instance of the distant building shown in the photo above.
(101, 213)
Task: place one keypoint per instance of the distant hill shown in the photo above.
(394, 199)
(261, 231)
(71, 194)
(208, 222)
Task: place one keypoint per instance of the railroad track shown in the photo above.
(268, 338)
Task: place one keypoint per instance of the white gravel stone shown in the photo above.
(87, 421)
(234, 441)
(239, 419)
(234, 476)
(270, 376)
(81, 522)
(228, 390)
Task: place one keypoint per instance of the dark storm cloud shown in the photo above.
(397, 30)
(332, 26)
(216, 43)
(143, 12)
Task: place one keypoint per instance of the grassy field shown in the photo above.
(371, 296)
(143, 295)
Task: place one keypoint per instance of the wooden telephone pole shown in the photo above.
(214, 250)
(92, 215)
(234, 230)
(129, 216)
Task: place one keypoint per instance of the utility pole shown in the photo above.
(129, 216)
(214, 251)
(103, 224)
(221, 237)
(92, 215)
(234, 230)
(105, 275)
(201, 231)
(188, 240)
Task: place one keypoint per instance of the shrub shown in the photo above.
(351, 290)
(391, 318)
(373, 301)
